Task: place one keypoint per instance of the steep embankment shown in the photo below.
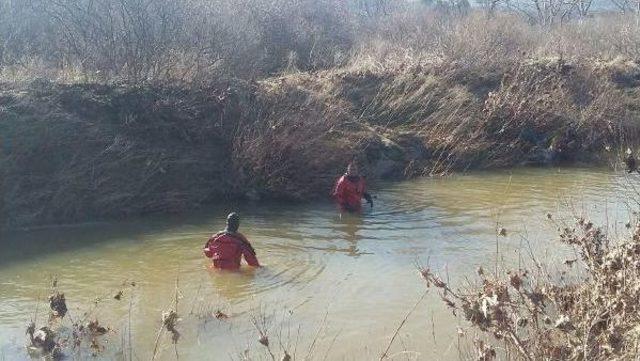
(78, 152)
(73, 153)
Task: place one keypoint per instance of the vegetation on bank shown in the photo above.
(78, 152)
(171, 106)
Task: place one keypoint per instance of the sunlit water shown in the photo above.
(333, 287)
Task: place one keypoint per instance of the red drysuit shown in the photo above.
(349, 191)
(226, 249)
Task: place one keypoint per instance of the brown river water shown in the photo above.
(333, 288)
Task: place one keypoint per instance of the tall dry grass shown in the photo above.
(195, 41)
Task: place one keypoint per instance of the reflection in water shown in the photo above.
(348, 226)
(357, 270)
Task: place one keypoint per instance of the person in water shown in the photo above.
(226, 248)
(350, 189)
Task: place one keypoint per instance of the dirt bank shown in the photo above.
(74, 152)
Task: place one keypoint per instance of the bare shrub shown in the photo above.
(294, 142)
(540, 315)
(476, 39)
(187, 40)
(196, 41)
(482, 41)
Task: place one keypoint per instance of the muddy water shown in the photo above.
(333, 287)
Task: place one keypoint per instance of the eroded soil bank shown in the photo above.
(76, 152)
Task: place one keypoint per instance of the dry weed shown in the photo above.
(542, 317)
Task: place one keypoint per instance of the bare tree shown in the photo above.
(627, 6)
(490, 6)
(547, 12)
(374, 8)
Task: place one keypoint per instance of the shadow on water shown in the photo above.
(29, 244)
(20, 246)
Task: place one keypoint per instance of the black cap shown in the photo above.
(233, 222)
(233, 216)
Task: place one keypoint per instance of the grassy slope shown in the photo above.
(78, 152)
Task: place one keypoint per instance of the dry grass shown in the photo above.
(196, 42)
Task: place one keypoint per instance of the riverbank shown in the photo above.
(77, 152)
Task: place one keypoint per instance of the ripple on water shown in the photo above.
(288, 267)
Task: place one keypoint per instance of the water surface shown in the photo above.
(333, 287)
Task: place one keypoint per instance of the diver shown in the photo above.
(226, 248)
(350, 189)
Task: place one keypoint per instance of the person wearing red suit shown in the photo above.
(350, 189)
(228, 247)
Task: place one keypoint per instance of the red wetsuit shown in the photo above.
(227, 248)
(349, 191)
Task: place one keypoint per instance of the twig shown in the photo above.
(262, 328)
(333, 341)
(519, 345)
(163, 327)
(155, 347)
(406, 317)
(129, 328)
(315, 338)
(177, 292)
